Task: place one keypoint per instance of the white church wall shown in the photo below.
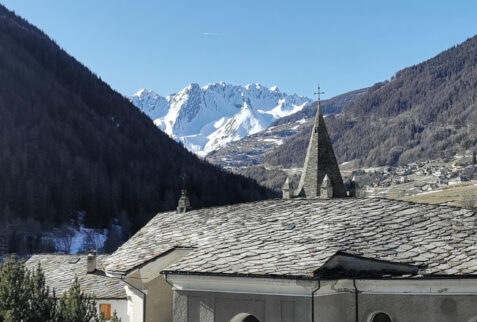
(215, 307)
(409, 307)
(208, 299)
(437, 300)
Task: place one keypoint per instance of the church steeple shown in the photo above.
(320, 161)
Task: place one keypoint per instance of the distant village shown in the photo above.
(417, 177)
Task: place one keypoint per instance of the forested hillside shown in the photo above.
(425, 111)
(333, 105)
(69, 143)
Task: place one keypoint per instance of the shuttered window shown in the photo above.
(106, 310)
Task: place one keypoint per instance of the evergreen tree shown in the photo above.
(75, 306)
(115, 317)
(25, 297)
(42, 305)
(14, 291)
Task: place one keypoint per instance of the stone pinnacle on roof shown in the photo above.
(354, 188)
(326, 189)
(287, 189)
(184, 203)
(320, 161)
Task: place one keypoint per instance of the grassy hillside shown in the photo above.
(462, 195)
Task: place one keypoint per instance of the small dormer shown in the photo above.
(326, 189)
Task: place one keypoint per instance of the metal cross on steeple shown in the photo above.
(319, 92)
(318, 111)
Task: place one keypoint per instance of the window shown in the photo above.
(244, 317)
(106, 310)
(251, 318)
(381, 317)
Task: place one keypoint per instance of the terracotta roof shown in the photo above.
(295, 237)
(60, 272)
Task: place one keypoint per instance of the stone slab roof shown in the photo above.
(60, 272)
(295, 237)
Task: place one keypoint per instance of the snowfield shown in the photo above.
(207, 118)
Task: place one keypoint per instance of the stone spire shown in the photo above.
(320, 161)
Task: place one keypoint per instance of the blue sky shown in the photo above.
(165, 45)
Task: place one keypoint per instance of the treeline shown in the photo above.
(426, 111)
(69, 143)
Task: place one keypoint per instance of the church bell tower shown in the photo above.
(320, 162)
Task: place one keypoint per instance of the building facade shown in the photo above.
(60, 273)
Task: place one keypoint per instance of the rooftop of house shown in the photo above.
(60, 272)
(300, 238)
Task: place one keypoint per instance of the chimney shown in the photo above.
(91, 262)
(184, 204)
(287, 189)
(320, 160)
(326, 189)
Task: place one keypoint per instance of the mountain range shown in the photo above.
(253, 149)
(208, 118)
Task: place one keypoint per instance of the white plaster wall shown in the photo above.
(120, 306)
(134, 305)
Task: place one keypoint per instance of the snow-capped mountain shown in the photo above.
(208, 118)
(151, 103)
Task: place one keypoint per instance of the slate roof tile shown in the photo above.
(60, 272)
(295, 237)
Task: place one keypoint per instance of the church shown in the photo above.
(321, 253)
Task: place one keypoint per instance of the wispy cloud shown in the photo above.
(212, 34)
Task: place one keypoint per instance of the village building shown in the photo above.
(60, 273)
(318, 254)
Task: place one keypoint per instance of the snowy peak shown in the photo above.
(151, 103)
(207, 118)
(246, 122)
